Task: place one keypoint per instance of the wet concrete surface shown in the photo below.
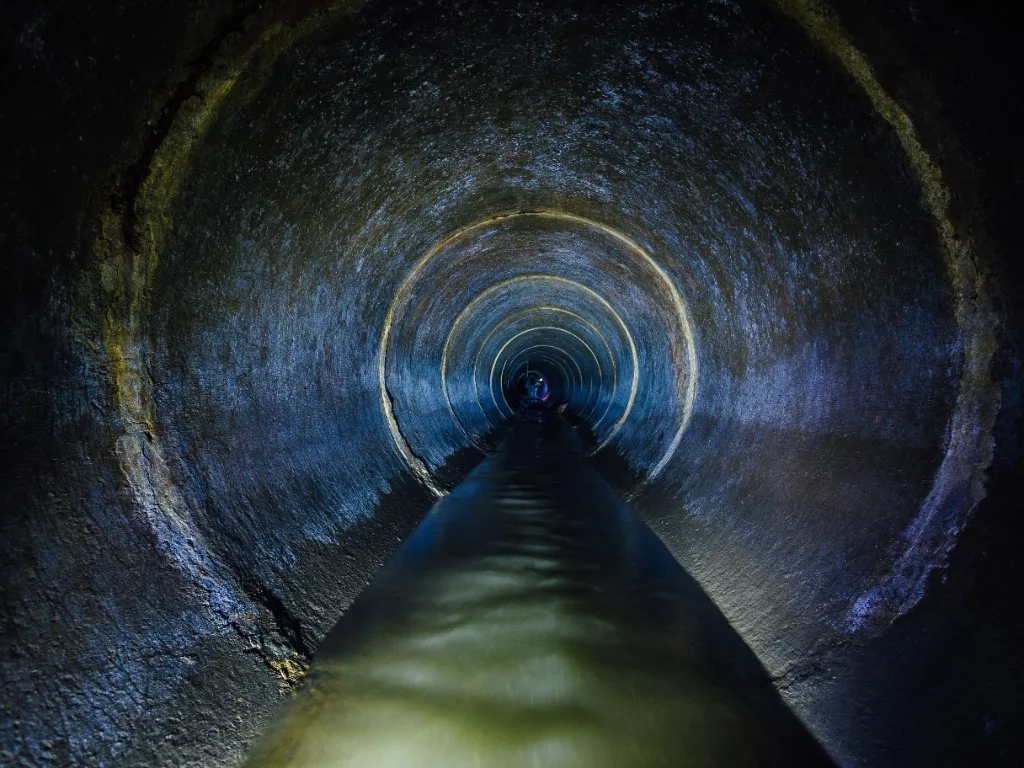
(533, 619)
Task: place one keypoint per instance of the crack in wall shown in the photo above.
(137, 173)
(418, 464)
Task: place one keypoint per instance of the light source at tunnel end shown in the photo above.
(686, 372)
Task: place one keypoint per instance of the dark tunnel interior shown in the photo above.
(277, 276)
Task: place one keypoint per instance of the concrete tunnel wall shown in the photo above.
(292, 324)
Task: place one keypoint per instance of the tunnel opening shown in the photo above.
(288, 303)
(534, 386)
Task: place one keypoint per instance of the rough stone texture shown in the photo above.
(210, 208)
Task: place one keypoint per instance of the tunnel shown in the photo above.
(278, 276)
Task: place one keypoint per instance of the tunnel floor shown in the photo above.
(533, 619)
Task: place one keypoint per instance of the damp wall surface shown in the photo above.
(261, 263)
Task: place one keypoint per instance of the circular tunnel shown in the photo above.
(369, 247)
(531, 287)
(363, 238)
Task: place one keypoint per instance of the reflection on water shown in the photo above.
(533, 620)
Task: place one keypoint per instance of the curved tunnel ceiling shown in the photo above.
(762, 276)
(707, 225)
